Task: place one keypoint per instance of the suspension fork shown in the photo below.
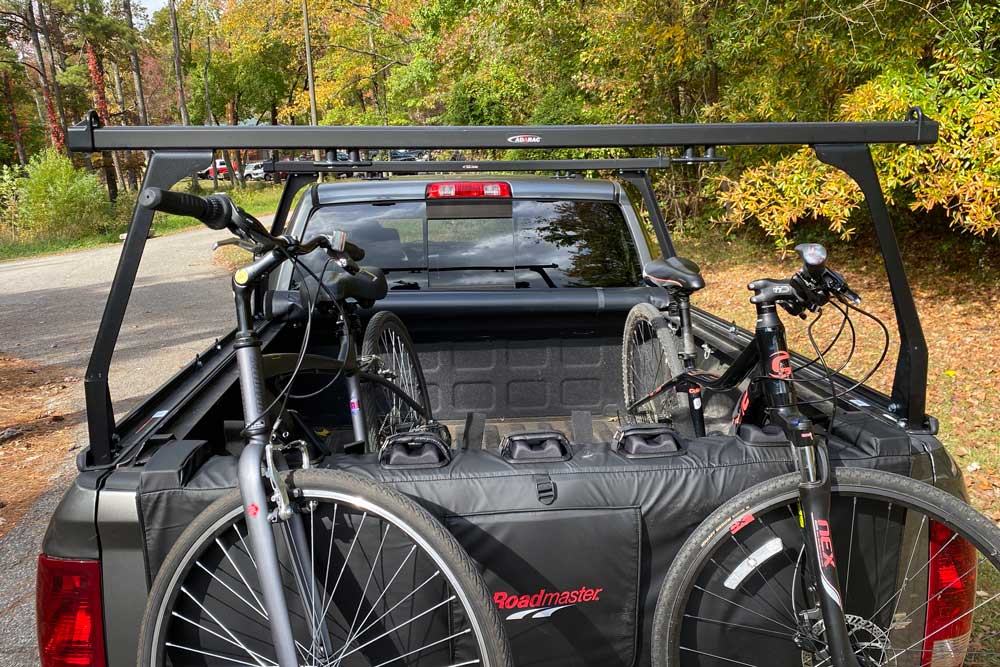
(814, 486)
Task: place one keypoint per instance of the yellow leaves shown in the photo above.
(778, 194)
(960, 175)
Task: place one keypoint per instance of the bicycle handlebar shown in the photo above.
(219, 212)
(810, 288)
(216, 211)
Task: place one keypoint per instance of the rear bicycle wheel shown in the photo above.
(388, 344)
(391, 585)
(919, 575)
(650, 358)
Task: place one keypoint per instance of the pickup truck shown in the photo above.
(518, 318)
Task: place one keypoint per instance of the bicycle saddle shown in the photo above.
(674, 273)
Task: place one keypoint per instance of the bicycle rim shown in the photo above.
(387, 412)
(383, 594)
(920, 579)
(646, 368)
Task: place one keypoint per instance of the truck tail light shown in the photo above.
(951, 596)
(68, 610)
(468, 190)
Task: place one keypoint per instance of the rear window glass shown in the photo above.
(543, 245)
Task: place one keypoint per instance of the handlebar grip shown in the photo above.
(213, 211)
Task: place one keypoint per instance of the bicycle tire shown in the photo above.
(474, 608)
(649, 341)
(687, 593)
(384, 414)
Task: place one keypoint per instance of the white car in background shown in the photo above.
(254, 171)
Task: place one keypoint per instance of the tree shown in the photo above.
(15, 123)
(56, 129)
(133, 57)
(178, 69)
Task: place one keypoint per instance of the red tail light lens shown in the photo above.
(68, 608)
(951, 596)
(468, 190)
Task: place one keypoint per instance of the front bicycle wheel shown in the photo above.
(390, 353)
(382, 584)
(919, 575)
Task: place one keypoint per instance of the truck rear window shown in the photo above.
(544, 244)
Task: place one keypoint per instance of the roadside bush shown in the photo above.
(59, 201)
(10, 195)
(121, 211)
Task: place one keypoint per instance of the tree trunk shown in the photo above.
(234, 121)
(56, 130)
(178, 70)
(56, 88)
(133, 58)
(15, 127)
(712, 84)
(274, 154)
(38, 107)
(209, 116)
(131, 179)
(100, 99)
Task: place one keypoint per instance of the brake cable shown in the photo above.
(878, 364)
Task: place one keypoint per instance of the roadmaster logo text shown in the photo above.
(543, 603)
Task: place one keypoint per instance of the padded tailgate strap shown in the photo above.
(583, 427)
(475, 426)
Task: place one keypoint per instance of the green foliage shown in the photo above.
(58, 201)
(10, 197)
(956, 84)
(565, 61)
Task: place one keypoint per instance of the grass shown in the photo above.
(956, 286)
(256, 199)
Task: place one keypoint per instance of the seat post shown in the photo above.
(690, 351)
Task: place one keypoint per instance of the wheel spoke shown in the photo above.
(253, 654)
(718, 657)
(403, 624)
(740, 626)
(210, 655)
(240, 573)
(347, 558)
(736, 604)
(427, 646)
(395, 606)
(364, 592)
(947, 625)
(898, 595)
(221, 625)
(260, 611)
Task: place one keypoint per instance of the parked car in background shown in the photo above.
(409, 155)
(219, 168)
(254, 171)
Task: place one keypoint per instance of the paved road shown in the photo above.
(49, 311)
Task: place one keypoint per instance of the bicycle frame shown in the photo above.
(768, 355)
(251, 364)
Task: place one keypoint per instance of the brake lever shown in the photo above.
(835, 282)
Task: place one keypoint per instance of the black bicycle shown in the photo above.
(846, 567)
(302, 566)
